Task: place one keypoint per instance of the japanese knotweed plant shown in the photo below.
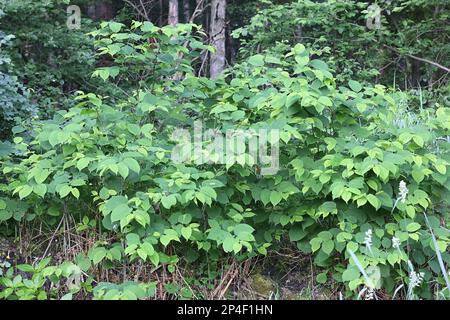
(340, 164)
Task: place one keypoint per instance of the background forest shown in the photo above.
(92, 206)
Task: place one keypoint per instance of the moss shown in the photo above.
(262, 285)
(294, 296)
(319, 294)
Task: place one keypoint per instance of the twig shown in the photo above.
(53, 236)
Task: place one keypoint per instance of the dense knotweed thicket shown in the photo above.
(360, 186)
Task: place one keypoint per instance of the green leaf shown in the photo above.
(97, 254)
(83, 163)
(343, 236)
(25, 268)
(132, 164)
(328, 246)
(53, 138)
(123, 170)
(299, 48)
(275, 197)
(256, 60)
(142, 254)
(321, 278)
(120, 212)
(225, 107)
(154, 258)
(315, 244)
(325, 101)
(355, 85)
(40, 190)
(186, 232)
(170, 235)
(413, 227)
(418, 140)
(346, 195)
(319, 65)
(302, 60)
(442, 169)
(372, 184)
(41, 176)
(361, 201)
(374, 201)
(148, 248)
(64, 191)
(392, 258)
(350, 274)
(228, 244)
(169, 201)
(418, 175)
(75, 192)
(115, 201)
(361, 107)
(265, 196)
(296, 233)
(25, 191)
(115, 26)
(411, 212)
(210, 192)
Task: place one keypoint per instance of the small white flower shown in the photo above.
(368, 239)
(415, 279)
(403, 191)
(395, 242)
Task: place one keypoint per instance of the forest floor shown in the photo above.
(286, 275)
(283, 275)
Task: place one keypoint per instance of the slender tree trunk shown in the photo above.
(218, 37)
(161, 13)
(187, 11)
(102, 10)
(173, 12)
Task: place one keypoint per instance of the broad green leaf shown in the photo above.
(328, 246)
(132, 164)
(256, 60)
(40, 190)
(418, 175)
(355, 85)
(186, 232)
(115, 26)
(275, 197)
(321, 278)
(413, 227)
(25, 191)
(350, 274)
(374, 201)
(120, 212)
(82, 163)
(169, 201)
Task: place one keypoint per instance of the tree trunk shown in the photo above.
(187, 11)
(173, 12)
(101, 10)
(161, 13)
(218, 37)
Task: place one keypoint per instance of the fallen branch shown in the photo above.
(419, 59)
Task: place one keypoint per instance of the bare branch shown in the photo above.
(419, 59)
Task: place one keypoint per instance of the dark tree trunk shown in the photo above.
(186, 10)
(101, 10)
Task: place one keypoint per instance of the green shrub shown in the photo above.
(343, 153)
